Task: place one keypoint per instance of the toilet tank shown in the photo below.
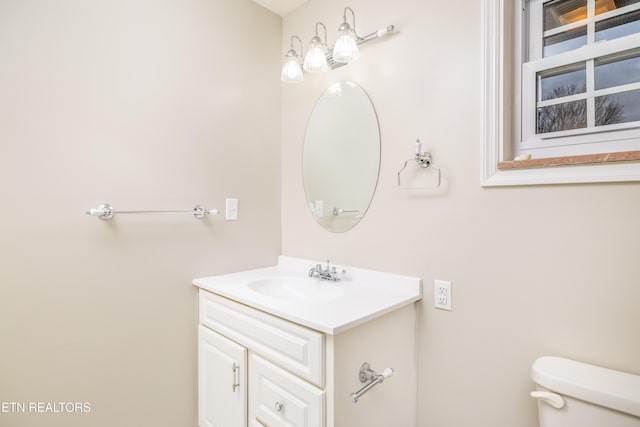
(575, 394)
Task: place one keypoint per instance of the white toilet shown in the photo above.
(574, 394)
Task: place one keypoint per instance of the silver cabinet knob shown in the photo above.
(279, 407)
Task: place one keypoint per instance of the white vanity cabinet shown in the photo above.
(277, 350)
(257, 369)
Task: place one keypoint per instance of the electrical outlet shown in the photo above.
(442, 295)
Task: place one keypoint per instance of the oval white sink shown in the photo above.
(297, 289)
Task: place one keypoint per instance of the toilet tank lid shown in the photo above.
(601, 386)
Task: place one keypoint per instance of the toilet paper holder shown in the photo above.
(368, 374)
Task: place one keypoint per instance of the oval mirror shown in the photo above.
(341, 157)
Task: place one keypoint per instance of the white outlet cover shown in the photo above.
(442, 294)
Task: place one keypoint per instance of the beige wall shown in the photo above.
(152, 105)
(549, 270)
(146, 105)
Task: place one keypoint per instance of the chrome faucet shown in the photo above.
(328, 273)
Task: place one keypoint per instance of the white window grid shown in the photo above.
(617, 137)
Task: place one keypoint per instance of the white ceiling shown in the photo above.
(281, 7)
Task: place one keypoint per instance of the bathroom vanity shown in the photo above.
(280, 348)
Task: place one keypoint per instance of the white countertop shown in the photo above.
(366, 295)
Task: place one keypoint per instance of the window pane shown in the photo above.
(564, 42)
(610, 73)
(562, 12)
(603, 6)
(561, 84)
(620, 107)
(619, 26)
(570, 115)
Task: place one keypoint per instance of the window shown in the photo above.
(580, 77)
(561, 78)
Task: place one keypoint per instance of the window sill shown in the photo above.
(585, 159)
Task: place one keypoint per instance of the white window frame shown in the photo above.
(587, 140)
(498, 110)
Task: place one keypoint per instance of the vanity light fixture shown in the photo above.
(291, 70)
(320, 57)
(346, 49)
(316, 59)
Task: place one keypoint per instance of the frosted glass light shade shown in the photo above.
(315, 61)
(346, 49)
(291, 71)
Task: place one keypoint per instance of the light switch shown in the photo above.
(232, 210)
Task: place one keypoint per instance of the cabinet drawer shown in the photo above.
(293, 347)
(280, 399)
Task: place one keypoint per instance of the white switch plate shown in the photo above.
(442, 295)
(232, 210)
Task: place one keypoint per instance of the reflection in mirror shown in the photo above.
(341, 157)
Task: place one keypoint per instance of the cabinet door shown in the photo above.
(222, 381)
(278, 398)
